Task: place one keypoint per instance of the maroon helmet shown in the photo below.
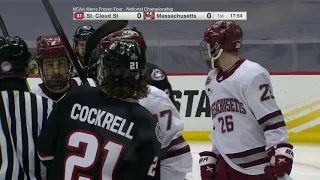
(50, 47)
(52, 62)
(218, 37)
(129, 33)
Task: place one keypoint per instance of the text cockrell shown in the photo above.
(103, 119)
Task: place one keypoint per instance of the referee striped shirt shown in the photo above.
(22, 115)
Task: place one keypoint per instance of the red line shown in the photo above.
(272, 73)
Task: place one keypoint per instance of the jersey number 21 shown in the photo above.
(86, 160)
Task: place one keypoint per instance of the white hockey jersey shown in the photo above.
(41, 90)
(170, 127)
(245, 116)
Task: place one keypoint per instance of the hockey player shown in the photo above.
(178, 159)
(54, 66)
(79, 44)
(108, 135)
(250, 140)
(80, 38)
(157, 76)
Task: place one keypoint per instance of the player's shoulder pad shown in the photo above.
(154, 95)
(157, 75)
(252, 70)
(210, 76)
(80, 91)
(154, 91)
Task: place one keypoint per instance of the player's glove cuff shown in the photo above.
(281, 158)
(207, 162)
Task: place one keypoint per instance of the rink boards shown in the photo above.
(298, 96)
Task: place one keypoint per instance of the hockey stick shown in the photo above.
(71, 54)
(105, 29)
(3, 27)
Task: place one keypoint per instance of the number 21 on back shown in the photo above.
(134, 65)
(88, 158)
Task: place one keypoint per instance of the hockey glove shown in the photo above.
(281, 160)
(208, 161)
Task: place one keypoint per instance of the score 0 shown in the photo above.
(132, 16)
(139, 15)
(209, 15)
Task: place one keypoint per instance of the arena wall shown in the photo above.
(297, 95)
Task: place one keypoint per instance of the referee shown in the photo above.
(21, 114)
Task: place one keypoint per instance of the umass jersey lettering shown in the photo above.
(99, 138)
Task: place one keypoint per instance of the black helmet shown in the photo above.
(118, 61)
(14, 57)
(82, 34)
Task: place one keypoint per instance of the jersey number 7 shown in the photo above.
(164, 113)
(92, 148)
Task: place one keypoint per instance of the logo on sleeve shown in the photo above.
(158, 132)
(208, 81)
(157, 75)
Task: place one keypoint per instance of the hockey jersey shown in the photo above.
(158, 78)
(178, 157)
(177, 154)
(41, 90)
(245, 116)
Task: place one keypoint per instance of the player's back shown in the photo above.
(104, 138)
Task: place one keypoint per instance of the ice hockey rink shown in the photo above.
(306, 161)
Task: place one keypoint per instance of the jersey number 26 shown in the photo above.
(266, 92)
(92, 148)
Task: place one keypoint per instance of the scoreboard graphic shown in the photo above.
(82, 15)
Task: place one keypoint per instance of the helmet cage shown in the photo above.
(52, 83)
(209, 53)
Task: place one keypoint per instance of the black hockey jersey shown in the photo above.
(93, 136)
(159, 79)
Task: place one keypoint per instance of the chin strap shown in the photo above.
(214, 58)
